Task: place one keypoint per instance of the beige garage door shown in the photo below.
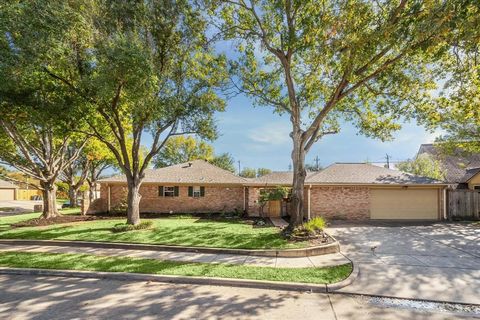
(7, 194)
(408, 204)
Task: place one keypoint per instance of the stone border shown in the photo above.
(333, 247)
(123, 276)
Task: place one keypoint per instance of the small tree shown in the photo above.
(183, 149)
(248, 173)
(263, 171)
(424, 166)
(224, 161)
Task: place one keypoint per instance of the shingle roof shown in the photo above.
(7, 185)
(363, 173)
(456, 166)
(196, 171)
(202, 172)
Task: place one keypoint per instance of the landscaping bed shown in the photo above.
(64, 261)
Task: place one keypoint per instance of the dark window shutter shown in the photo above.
(160, 191)
(202, 191)
(190, 191)
(176, 191)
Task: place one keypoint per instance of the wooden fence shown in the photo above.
(24, 194)
(463, 204)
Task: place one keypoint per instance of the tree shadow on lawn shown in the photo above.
(210, 234)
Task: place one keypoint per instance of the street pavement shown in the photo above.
(49, 298)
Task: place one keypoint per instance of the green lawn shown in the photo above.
(150, 266)
(5, 222)
(175, 230)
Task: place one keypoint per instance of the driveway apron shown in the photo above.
(436, 261)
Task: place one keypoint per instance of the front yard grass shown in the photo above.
(176, 230)
(150, 266)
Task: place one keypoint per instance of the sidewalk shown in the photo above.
(327, 260)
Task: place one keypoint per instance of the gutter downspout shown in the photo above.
(308, 202)
(108, 199)
(244, 199)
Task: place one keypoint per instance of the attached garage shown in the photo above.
(7, 191)
(404, 204)
(7, 194)
(359, 191)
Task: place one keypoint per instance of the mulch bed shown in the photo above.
(39, 222)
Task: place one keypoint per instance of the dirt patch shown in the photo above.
(39, 222)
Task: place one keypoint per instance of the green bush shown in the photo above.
(314, 225)
(122, 227)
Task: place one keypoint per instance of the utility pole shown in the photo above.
(317, 163)
(387, 157)
(239, 167)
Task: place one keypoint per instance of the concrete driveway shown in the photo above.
(436, 261)
(12, 207)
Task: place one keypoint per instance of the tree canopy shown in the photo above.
(424, 166)
(323, 63)
(140, 68)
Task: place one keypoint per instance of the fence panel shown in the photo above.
(463, 204)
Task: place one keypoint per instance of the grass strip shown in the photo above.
(63, 261)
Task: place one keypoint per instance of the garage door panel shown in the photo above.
(409, 204)
(7, 194)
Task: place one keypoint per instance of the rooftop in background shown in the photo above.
(459, 167)
(196, 171)
(7, 185)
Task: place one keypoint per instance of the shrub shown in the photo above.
(123, 227)
(315, 224)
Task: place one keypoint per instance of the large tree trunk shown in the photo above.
(299, 174)
(133, 201)
(49, 191)
(91, 190)
(73, 196)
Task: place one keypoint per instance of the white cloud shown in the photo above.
(272, 133)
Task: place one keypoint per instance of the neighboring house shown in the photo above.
(461, 171)
(342, 191)
(8, 191)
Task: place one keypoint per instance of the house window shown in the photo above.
(168, 191)
(196, 191)
(477, 188)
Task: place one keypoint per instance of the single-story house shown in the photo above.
(8, 191)
(342, 190)
(462, 171)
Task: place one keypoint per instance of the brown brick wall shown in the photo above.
(340, 202)
(253, 208)
(216, 199)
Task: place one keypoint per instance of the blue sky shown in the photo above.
(259, 138)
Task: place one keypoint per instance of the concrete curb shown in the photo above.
(348, 281)
(287, 253)
(123, 276)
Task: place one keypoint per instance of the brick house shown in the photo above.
(342, 190)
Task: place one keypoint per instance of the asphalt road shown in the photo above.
(40, 297)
